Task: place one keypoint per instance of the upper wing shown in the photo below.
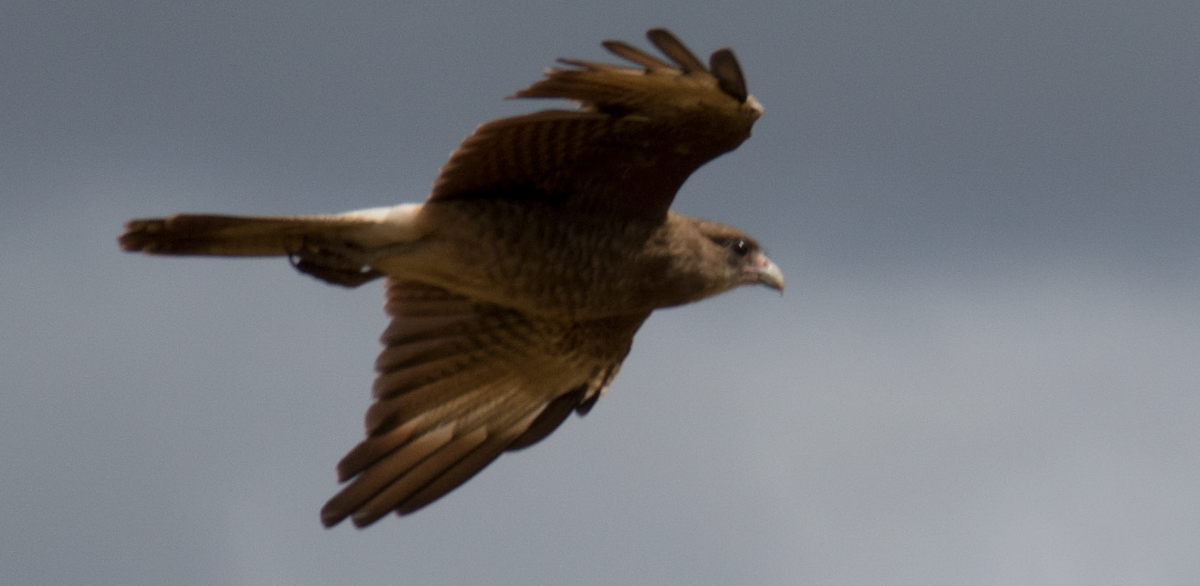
(637, 137)
(459, 383)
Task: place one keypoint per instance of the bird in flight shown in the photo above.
(515, 289)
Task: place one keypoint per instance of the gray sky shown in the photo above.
(986, 369)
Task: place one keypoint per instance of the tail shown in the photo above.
(335, 248)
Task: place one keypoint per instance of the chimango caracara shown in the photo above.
(516, 287)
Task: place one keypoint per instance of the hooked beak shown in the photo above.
(767, 273)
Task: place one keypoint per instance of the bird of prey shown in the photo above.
(515, 289)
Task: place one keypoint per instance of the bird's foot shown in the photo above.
(337, 263)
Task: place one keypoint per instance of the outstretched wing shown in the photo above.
(459, 383)
(640, 132)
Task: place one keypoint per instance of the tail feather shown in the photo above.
(227, 235)
(222, 235)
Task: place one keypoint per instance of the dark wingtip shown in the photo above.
(728, 72)
(670, 45)
(331, 519)
(723, 65)
(630, 53)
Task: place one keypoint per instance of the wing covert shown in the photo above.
(638, 135)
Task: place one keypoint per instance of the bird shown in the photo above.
(515, 289)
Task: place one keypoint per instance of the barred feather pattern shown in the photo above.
(639, 134)
(459, 383)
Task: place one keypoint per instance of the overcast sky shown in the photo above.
(986, 368)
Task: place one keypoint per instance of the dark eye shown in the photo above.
(740, 247)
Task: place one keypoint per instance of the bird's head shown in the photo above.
(741, 258)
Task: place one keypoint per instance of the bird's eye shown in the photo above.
(740, 247)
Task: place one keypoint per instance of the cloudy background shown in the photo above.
(986, 368)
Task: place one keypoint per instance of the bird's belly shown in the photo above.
(536, 259)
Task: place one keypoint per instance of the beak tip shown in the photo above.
(771, 276)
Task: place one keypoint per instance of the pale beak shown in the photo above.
(767, 273)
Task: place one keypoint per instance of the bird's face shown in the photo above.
(747, 263)
(740, 256)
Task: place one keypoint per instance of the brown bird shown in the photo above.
(515, 289)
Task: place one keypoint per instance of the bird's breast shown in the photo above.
(541, 259)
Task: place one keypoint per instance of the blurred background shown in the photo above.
(986, 368)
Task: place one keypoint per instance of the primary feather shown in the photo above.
(516, 288)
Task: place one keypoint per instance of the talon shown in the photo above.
(334, 264)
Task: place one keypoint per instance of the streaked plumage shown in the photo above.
(516, 288)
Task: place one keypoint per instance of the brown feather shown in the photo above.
(630, 53)
(515, 290)
(647, 128)
(728, 72)
(669, 45)
(453, 476)
(417, 477)
(222, 235)
(550, 418)
(460, 384)
(384, 471)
